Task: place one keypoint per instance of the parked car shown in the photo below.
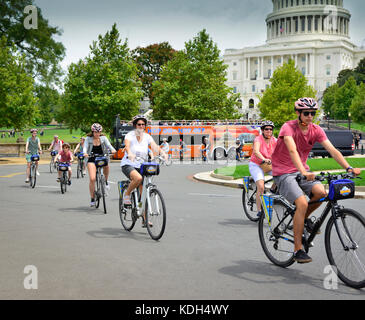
(342, 140)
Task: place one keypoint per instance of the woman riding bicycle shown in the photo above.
(263, 148)
(96, 144)
(32, 147)
(136, 152)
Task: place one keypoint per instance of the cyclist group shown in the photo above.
(283, 158)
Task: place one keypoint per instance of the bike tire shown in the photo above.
(82, 168)
(33, 176)
(249, 201)
(63, 183)
(102, 190)
(276, 239)
(78, 170)
(157, 216)
(51, 166)
(126, 215)
(350, 263)
(97, 191)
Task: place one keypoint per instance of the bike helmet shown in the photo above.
(267, 123)
(306, 104)
(66, 145)
(139, 117)
(96, 127)
(33, 130)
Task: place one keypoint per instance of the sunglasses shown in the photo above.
(307, 113)
(268, 129)
(141, 124)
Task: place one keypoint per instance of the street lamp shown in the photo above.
(328, 119)
(349, 121)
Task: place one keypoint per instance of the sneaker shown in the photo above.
(301, 257)
(37, 172)
(27, 180)
(69, 182)
(92, 203)
(309, 225)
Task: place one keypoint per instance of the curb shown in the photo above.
(216, 179)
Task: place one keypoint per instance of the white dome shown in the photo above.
(302, 20)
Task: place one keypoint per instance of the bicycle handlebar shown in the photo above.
(329, 177)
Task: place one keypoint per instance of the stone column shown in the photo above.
(272, 66)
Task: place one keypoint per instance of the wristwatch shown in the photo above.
(263, 162)
(349, 169)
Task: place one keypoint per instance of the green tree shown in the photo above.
(192, 84)
(329, 99)
(150, 60)
(49, 103)
(343, 76)
(102, 85)
(343, 99)
(288, 84)
(43, 53)
(17, 102)
(357, 107)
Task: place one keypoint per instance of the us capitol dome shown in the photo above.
(314, 33)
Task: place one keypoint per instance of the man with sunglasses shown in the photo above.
(295, 141)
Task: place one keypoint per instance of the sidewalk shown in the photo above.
(212, 178)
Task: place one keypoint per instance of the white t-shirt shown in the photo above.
(140, 149)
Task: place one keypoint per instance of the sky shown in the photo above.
(230, 23)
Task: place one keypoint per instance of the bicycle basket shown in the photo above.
(150, 169)
(63, 167)
(341, 190)
(267, 203)
(35, 157)
(101, 161)
(80, 156)
(53, 153)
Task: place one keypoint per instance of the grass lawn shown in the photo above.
(63, 134)
(324, 165)
(354, 126)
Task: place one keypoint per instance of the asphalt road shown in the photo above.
(209, 249)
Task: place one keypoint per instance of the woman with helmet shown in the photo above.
(137, 144)
(263, 148)
(295, 142)
(96, 143)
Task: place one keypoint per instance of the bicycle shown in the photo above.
(344, 234)
(150, 202)
(53, 163)
(249, 197)
(63, 167)
(100, 193)
(80, 165)
(33, 170)
(162, 161)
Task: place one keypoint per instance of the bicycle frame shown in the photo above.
(144, 197)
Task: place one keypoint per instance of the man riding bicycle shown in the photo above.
(136, 152)
(295, 141)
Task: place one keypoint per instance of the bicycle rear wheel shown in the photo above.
(63, 182)
(102, 191)
(249, 201)
(126, 215)
(277, 237)
(349, 262)
(156, 216)
(78, 169)
(32, 176)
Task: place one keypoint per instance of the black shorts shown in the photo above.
(127, 169)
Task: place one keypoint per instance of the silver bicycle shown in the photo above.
(150, 205)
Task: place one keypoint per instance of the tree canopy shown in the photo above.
(288, 84)
(102, 85)
(192, 84)
(17, 101)
(42, 52)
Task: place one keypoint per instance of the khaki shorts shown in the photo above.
(291, 189)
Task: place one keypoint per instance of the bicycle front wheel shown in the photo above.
(277, 237)
(52, 166)
(249, 201)
(102, 191)
(33, 176)
(348, 257)
(156, 215)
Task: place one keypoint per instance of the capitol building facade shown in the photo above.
(313, 33)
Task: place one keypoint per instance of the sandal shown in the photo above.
(127, 200)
